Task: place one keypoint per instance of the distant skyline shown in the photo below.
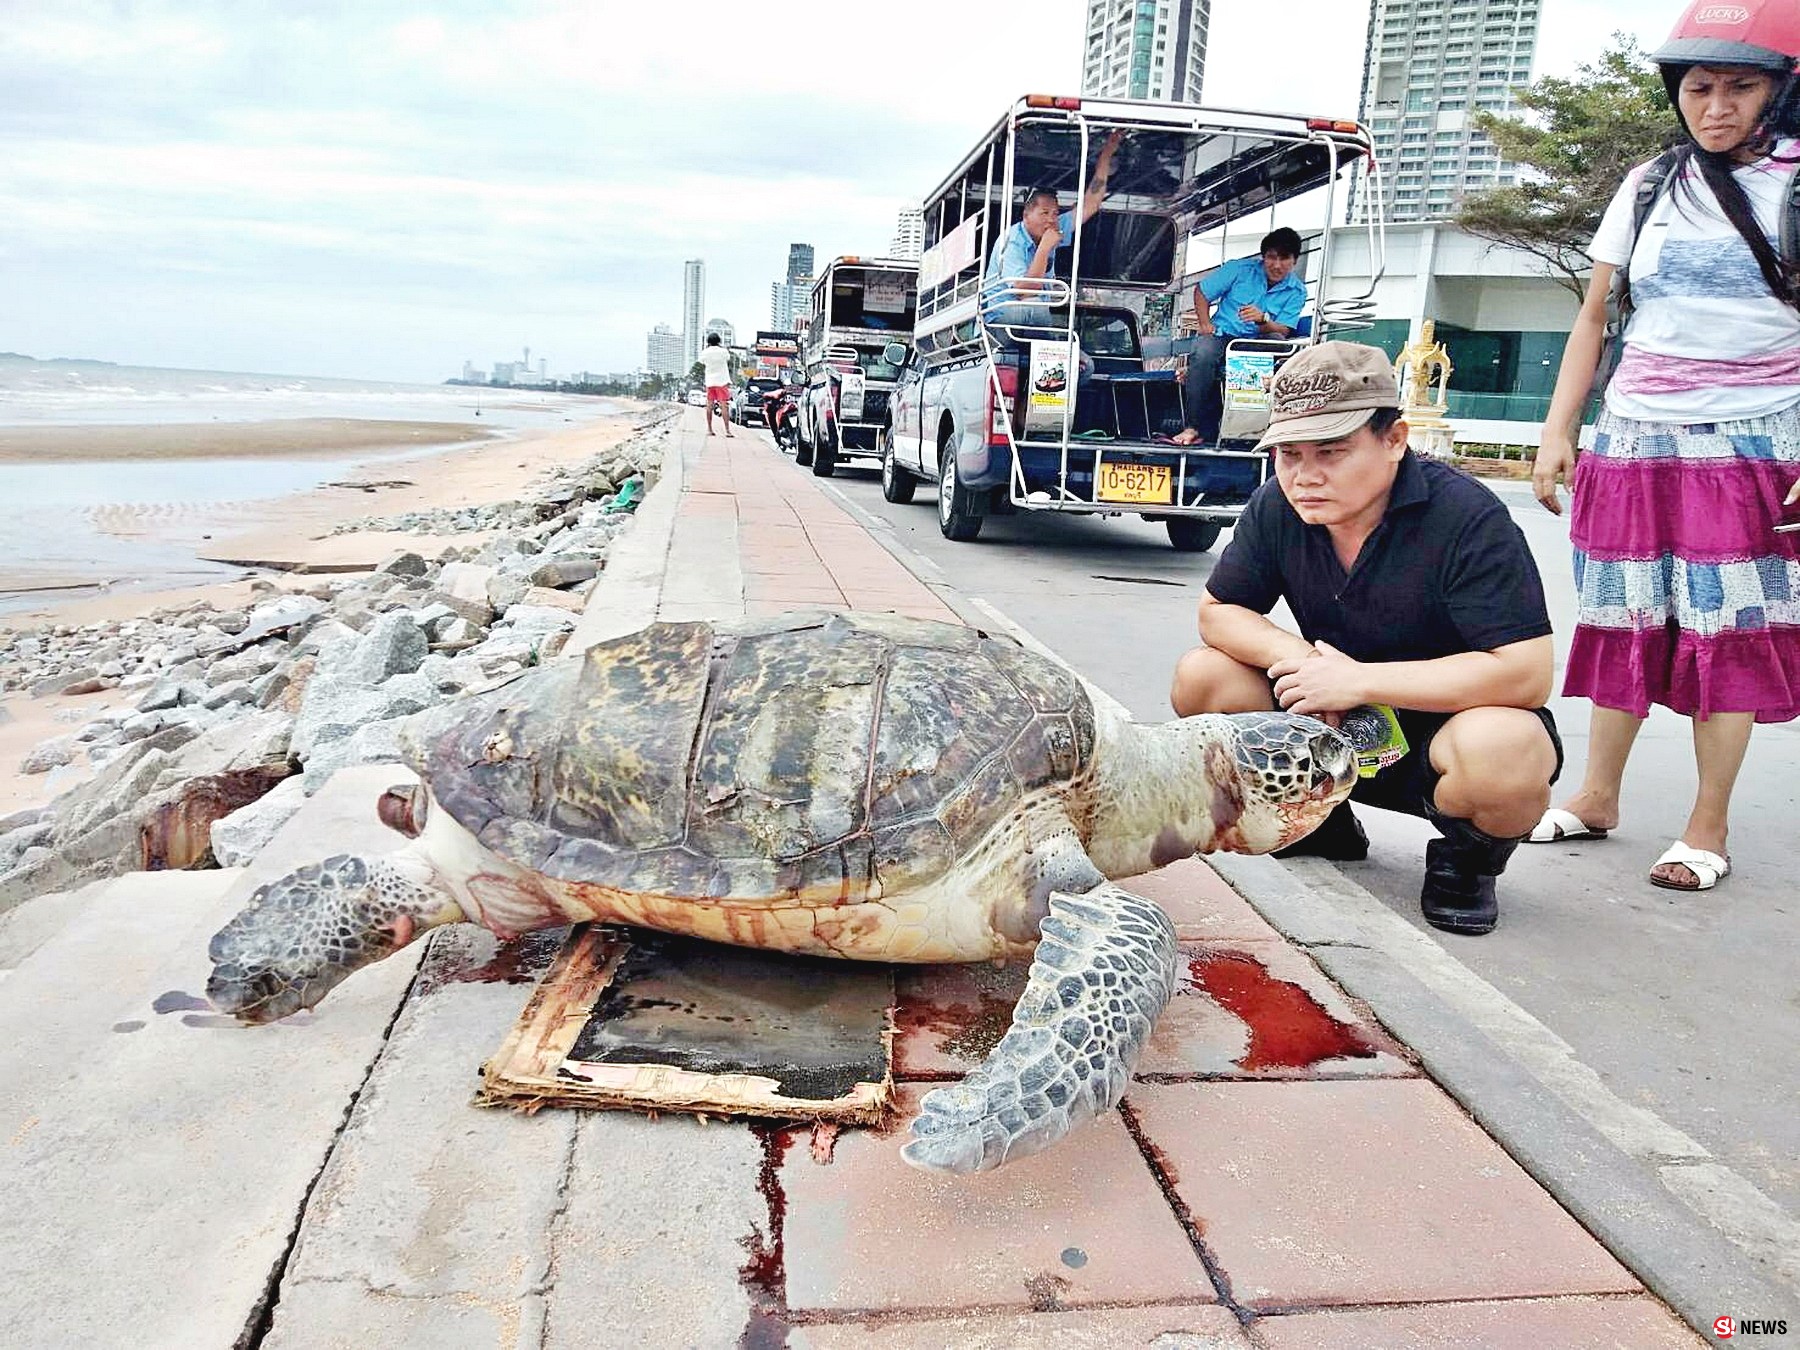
(382, 192)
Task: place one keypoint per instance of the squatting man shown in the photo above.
(1413, 588)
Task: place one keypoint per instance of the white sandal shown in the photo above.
(1708, 868)
(1558, 826)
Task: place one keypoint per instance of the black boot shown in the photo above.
(1458, 895)
(1339, 837)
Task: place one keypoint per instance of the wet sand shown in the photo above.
(397, 476)
(288, 438)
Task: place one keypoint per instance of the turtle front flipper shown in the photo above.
(1105, 968)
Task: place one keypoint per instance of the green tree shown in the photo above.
(1577, 140)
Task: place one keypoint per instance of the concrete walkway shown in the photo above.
(1282, 1174)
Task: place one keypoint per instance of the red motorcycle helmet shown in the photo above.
(1763, 34)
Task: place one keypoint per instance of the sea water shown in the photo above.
(49, 511)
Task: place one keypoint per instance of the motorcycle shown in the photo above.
(781, 413)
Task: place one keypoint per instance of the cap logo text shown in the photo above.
(1306, 393)
(1722, 14)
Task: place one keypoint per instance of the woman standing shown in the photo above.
(1688, 595)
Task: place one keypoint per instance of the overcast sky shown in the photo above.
(381, 188)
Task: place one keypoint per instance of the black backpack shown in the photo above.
(1650, 187)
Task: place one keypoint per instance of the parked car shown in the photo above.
(747, 401)
(696, 398)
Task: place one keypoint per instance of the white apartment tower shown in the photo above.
(1146, 49)
(1430, 66)
(663, 352)
(693, 302)
(909, 234)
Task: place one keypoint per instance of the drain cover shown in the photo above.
(1140, 581)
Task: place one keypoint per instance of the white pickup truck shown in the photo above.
(1064, 399)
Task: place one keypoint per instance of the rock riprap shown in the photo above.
(211, 709)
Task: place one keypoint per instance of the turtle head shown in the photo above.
(302, 934)
(1291, 771)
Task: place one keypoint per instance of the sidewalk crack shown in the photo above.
(1153, 1159)
(262, 1313)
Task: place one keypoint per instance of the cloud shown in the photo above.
(387, 189)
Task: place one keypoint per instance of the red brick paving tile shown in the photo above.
(1639, 1323)
(1200, 902)
(948, 1017)
(1082, 1223)
(1363, 1191)
(795, 595)
(885, 599)
(1264, 1010)
(1194, 1327)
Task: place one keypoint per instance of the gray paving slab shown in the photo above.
(655, 1246)
(157, 1162)
(29, 926)
(323, 1316)
(427, 1196)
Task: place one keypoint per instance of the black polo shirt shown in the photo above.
(1447, 571)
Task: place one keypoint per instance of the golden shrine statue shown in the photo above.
(1419, 366)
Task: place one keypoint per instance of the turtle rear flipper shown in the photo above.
(1104, 970)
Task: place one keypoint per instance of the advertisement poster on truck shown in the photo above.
(885, 292)
(1248, 377)
(1052, 371)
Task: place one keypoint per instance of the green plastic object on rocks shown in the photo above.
(630, 494)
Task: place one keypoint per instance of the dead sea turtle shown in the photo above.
(857, 785)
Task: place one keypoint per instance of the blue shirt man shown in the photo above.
(1256, 297)
(1250, 295)
(1024, 253)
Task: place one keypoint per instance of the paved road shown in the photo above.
(1686, 1005)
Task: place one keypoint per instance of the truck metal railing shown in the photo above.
(998, 307)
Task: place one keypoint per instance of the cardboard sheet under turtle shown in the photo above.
(642, 1020)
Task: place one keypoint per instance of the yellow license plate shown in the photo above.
(1141, 483)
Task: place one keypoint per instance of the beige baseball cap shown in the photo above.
(1328, 391)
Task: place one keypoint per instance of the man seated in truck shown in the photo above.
(1256, 297)
(1025, 253)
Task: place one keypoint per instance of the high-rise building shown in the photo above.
(909, 234)
(1430, 66)
(1145, 49)
(789, 302)
(727, 334)
(789, 297)
(663, 352)
(693, 303)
